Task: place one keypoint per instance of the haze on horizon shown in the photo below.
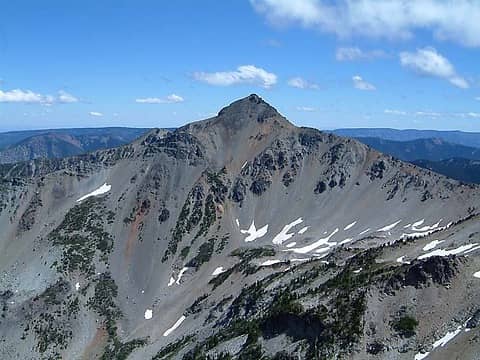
(152, 64)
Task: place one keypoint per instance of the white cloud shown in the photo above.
(429, 62)
(428, 114)
(470, 114)
(473, 115)
(360, 84)
(395, 112)
(306, 108)
(66, 98)
(95, 113)
(454, 20)
(459, 82)
(24, 96)
(30, 97)
(355, 53)
(245, 74)
(170, 99)
(300, 83)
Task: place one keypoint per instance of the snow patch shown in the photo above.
(443, 252)
(421, 356)
(349, 226)
(270, 262)
(364, 232)
(432, 245)
(389, 227)
(292, 244)
(284, 235)
(302, 230)
(237, 222)
(440, 343)
(472, 249)
(402, 261)
(427, 228)
(175, 326)
(477, 275)
(316, 245)
(180, 275)
(449, 336)
(148, 314)
(418, 223)
(357, 271)
(105, 188)
(299, 260)
(346, 241)
(171, 282)
(253, 233)
(465, 325)
(218, 271)
(77, 286)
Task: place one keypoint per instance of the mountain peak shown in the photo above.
(250, 107)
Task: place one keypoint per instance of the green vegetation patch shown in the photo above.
(405, 326)
(199, 210)
(205, 252)
(103, 303)
(82, 236)
(50, 316)
(174, 348)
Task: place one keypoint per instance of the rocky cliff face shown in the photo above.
(239, 236)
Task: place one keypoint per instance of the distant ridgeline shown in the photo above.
(59, 143)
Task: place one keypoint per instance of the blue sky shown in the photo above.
(326, 64)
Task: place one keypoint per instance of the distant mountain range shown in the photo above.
(425, 149)
(28, 145)
(457, 168)
(456, 137)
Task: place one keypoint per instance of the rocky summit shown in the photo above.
(238, 237)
